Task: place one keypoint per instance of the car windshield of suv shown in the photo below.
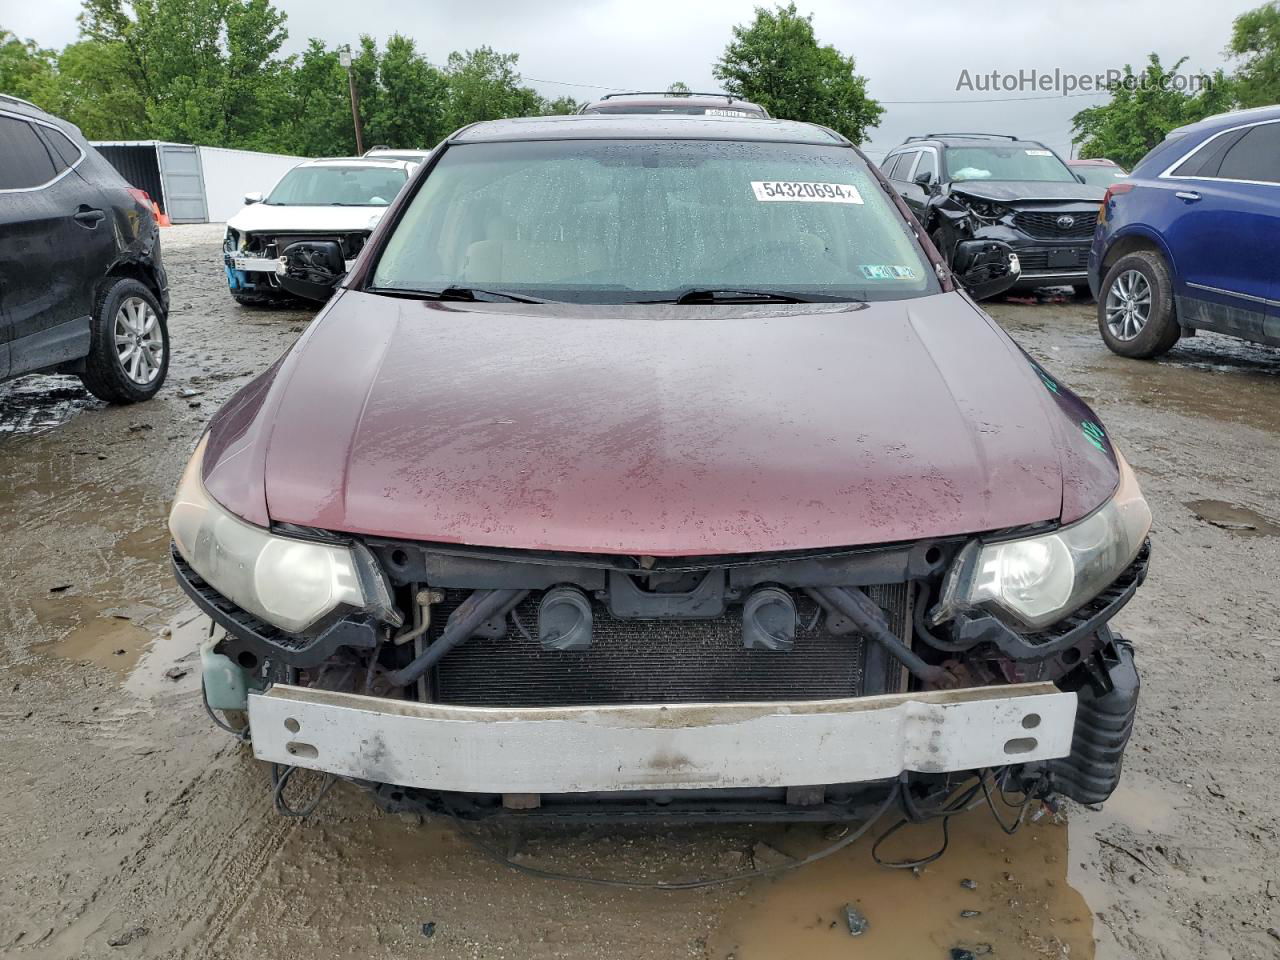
(1099, 174)
(596, 221)
(338, 187)
(1014, 162)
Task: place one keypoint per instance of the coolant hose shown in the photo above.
(480, 606)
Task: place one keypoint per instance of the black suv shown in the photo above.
(82, 289)
(964, 186)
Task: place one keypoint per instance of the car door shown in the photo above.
(917, 194)
(55, 241)
(1224, 229)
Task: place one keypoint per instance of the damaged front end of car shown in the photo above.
(261, 267)
(1050, 238)
(484, 680)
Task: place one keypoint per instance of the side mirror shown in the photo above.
(312, 268)
(254, 197)
(924, 178)
(985, 268)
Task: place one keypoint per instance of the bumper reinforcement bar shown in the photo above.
(656, 746)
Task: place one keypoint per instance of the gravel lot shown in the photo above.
(133, 828)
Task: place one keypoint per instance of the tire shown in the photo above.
(1139, 278)
(127, 309)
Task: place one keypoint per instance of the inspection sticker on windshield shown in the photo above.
(806, 191)
(1039, 153)
(887, 271)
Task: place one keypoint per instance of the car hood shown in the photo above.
(662, 431)
(265, 217)
(1011, 191)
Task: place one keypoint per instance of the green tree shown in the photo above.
(26, 70)
(1143, 108)
(776, 61)
(91, 94)
(560, 105)
(678, 89)
(1255, 38)
(411, 103)
(485, 85)
(319, 120)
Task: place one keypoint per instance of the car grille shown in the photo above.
(656, 661)
(1037, 261)
(1044, 226)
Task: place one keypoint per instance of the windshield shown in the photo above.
(624, 221)
(1014, 162)
(1099, 174)
(338, 186)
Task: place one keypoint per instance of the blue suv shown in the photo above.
(1191, 239)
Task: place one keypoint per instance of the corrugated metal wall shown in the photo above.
(183, 182)
(139, 165)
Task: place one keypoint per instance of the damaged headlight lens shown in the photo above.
(1039, 580)
(286, 582)
(985, 209)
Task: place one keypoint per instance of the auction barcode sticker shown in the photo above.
(806, 191)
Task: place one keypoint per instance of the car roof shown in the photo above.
(646, 126)
(1224, 121)
(715, 101)
(968, 140)
(392, 153)
(368, 162)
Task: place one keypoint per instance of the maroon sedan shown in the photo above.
(659, 462)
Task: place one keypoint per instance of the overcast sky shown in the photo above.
(906, 54)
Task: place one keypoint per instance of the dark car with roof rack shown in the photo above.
(964, 186)
(677, 104)
(657, 463)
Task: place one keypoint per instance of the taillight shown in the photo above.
(141, 196)
(1112, 191)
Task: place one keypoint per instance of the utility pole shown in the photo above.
(344, 58)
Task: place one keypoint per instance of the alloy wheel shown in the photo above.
(1128, 305)
(139, 340)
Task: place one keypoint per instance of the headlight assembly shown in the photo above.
(1037, 581)
(287, 582)
(985, 209)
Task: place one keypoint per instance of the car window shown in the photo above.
(887, 164)
(1100, 174)
(622, 221)
(1012, 162)
(65, 153)
(903, 167)
(24, 159)
(928, 164)
(1255, 156)
(338, 186)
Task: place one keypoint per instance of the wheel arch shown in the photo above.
(133, 270)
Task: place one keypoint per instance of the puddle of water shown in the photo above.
(1233, 517)
(171, 664)
(1026, 907)
(36, 404)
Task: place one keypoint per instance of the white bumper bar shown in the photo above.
(646, 747)
(277, 266)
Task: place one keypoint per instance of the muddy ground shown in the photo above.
(132, 828)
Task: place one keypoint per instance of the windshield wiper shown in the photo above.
(715, 295)
(470, 294)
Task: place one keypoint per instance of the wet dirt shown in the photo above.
(129, 818)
